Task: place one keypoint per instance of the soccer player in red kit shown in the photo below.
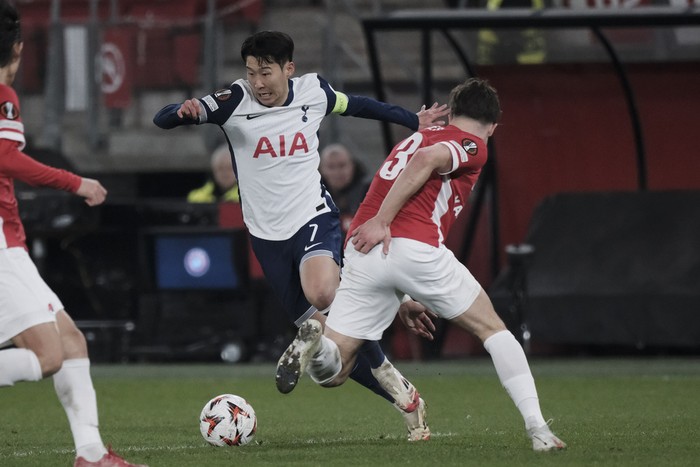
(397, 250)
(46, 341)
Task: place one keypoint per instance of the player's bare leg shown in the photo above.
(59, 349)
(73, 385)
(38, 354)
(406, 398)
(320, 277)
(512, 368)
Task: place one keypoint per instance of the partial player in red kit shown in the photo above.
(428, 217)
(396, 251)
(45, 341)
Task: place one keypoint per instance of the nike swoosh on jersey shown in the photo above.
(250, 117)
(308, 247)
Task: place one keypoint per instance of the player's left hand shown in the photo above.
(190, 109)
(370, 234)
(417, 319)
(92, 190)
(429, 117)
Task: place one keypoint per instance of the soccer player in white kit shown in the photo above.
(46, 340)
(397, 248)
(271, 122)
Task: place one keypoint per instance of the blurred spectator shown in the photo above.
(345, 180)
(222, 185)
(527, 46)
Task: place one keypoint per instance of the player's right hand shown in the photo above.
(370, 234)
(190, 109)
(418, 319)
(93, 192)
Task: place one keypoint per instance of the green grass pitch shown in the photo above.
(617, 412)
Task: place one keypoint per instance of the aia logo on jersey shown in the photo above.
(457, 206)
(470, 146)
(9, 111)
(281, 147)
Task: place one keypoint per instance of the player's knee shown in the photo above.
(481, 319)
(74, 344)
(322, 297)
(50, 363)
(490, 325)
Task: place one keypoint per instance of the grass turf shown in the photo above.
(617, 412)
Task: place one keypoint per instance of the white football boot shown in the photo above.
(544, 440)
(416, 422)
(407, 400)
(296, 357)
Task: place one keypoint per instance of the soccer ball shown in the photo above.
(228, 420)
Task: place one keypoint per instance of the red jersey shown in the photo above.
(428, 215)
(15, 164)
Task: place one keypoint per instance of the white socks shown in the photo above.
(18, 365)
(325, 363)
(74, 388)
(514, 372)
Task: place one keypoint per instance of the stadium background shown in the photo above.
(616, 267)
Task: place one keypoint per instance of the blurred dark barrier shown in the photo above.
(616, 268)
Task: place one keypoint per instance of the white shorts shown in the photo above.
(372, 286)
(25, 299)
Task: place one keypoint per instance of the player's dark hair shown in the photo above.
(477, 99)
(10, 32)
(268, 46)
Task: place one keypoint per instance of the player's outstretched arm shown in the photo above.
(92, 190)
(187, 113)
(366, 107)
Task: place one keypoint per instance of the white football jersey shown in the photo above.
(275, 152)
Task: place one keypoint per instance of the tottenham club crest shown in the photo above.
(9, 111)
(223, 94)
(470, 146)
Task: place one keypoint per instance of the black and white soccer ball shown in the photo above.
(228, 420)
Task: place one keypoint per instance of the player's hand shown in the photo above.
(370, 234)
(93, 192)
(418, 319)
(429, 117)
(190, 109)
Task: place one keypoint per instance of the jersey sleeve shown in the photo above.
(459, 155)
(366, 107)
(216, 108)
(219, 105)
(463, 152)
(168, 118)
(11, 126)
(15, 164)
